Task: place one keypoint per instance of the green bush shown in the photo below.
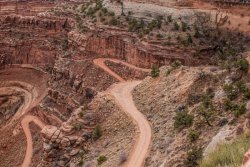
(176, 26)
(229, 154)
(193, 135)
(65, 44)
(247, 93)
(184, 26)
(97, 133)
(155, 72)
(231, 91)
(176, 64)
(243, 65)
(101, 159)
(239, 110)
(193, 157)
(159, 36)
(183, 119)
(189, 38)
(81, 114)
(170, 18)
(114, 21)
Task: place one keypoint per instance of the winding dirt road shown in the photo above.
(122, 93)
(18, 79)
(101, 63)
(25, 125)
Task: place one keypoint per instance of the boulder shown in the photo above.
(48, 131)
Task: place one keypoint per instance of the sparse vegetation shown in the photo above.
(183, 119)
(193, 157)
(101, 159)
(155, 72)
(229, 154)
(176, 26)
(193, 135)
(97, 133)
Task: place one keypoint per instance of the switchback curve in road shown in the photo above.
(122, 93)
(100, 62)
(25, 125)
(123, 96)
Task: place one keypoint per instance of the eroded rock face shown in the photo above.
(30, 39)
(63, 143)
(135, 53)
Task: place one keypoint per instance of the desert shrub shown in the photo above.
(97, 133)
(65, 44)
(193, 157)
(159, 36)
(207, 100)
(229, 105)
(184, 26)
(247, 93)
(81, 162)
(111, 13)
(243, 65)
(114, 21)
(80, 114)
(104, 10)
(176, 64)
(169, 18)
(155, 71)
(231, 91)
(193, 135)
(176, 26)
(197, 33)
(101, 159)
(229, 154)
(183, 119)
(189, 38)
(239, 110)
(78, 126)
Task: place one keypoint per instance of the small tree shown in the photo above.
(155, 72)
(207, 114)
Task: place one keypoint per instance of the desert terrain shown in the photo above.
(130, 83)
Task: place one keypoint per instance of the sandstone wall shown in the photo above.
(31, 40)
(136, 54)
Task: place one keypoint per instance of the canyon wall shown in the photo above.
(124, 46)
(39, 40)
(31, 40)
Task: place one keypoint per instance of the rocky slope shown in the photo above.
(181, 90)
